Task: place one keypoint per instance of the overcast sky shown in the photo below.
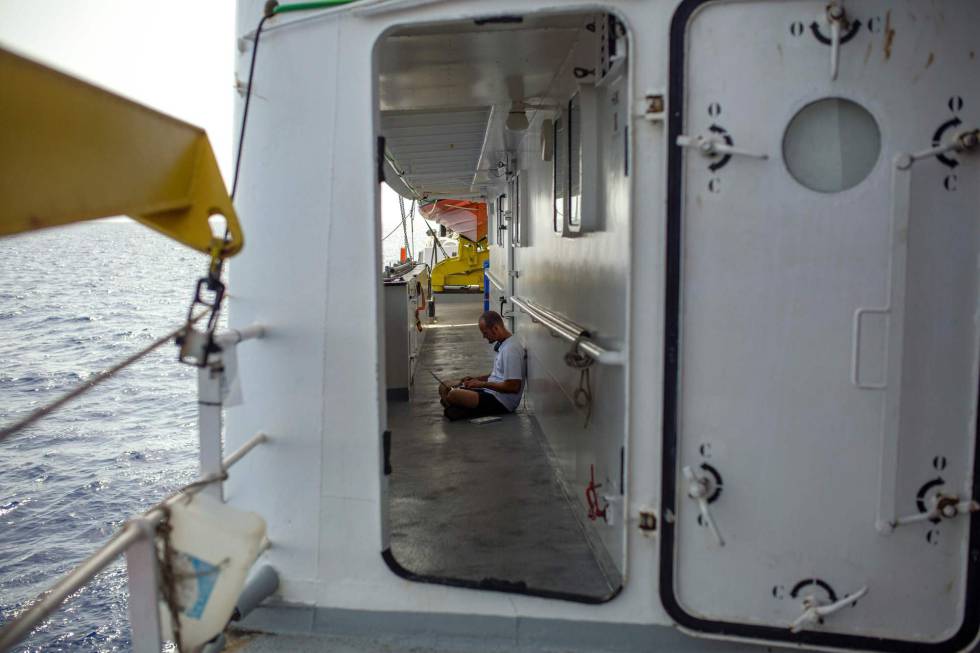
(177, 56)
(174, 55)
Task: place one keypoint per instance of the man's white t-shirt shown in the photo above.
(508, 365)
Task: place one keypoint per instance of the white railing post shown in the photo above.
(209, 422)
(144, 589)
(211, 388)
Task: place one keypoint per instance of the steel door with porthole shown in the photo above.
(822, 331)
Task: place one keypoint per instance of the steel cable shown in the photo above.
(248, 102)
(404, 225)
(390, 233)
(85, 386)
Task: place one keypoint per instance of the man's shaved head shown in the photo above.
(491, 319)
(492, 327)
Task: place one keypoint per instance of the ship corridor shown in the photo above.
(527, 117)
(481, 503)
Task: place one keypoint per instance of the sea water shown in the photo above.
(74, 301)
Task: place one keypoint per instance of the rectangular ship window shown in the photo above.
(561, 176)
(574, 163)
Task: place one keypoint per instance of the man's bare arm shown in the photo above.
(510, 386)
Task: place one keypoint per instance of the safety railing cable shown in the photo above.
(88, 384)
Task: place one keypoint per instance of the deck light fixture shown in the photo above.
(516, 121)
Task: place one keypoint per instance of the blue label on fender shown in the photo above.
(205, 576)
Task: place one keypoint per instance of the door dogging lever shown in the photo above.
(813, 612)
(837, 17)
(699, 488)
(714, 145)
(964, 141)
(941, 507)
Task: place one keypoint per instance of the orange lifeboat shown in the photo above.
(468, 219)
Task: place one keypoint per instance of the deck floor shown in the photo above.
(479, 502)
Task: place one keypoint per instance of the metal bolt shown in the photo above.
(648, 521)
(698, 488)
(969, 140)
(947, 506)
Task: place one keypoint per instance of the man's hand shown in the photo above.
(473, 384)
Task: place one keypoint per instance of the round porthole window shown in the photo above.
(831, 145)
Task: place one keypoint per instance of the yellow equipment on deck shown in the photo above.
(464, 269)
(70, 151)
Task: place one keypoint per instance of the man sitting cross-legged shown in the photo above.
(495, 393)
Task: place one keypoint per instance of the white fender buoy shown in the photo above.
(214, 546)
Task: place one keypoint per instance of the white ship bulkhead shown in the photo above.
(794, 302)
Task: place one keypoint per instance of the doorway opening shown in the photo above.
(509, 136)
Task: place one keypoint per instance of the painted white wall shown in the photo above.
(585, 278)
(311, 273)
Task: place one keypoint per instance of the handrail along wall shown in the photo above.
(570, 331)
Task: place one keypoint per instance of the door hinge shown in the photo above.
(653, 107)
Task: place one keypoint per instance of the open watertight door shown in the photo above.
(822, 338)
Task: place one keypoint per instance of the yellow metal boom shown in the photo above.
(70, 151)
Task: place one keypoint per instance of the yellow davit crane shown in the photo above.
(70, 151)
(464, 269)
